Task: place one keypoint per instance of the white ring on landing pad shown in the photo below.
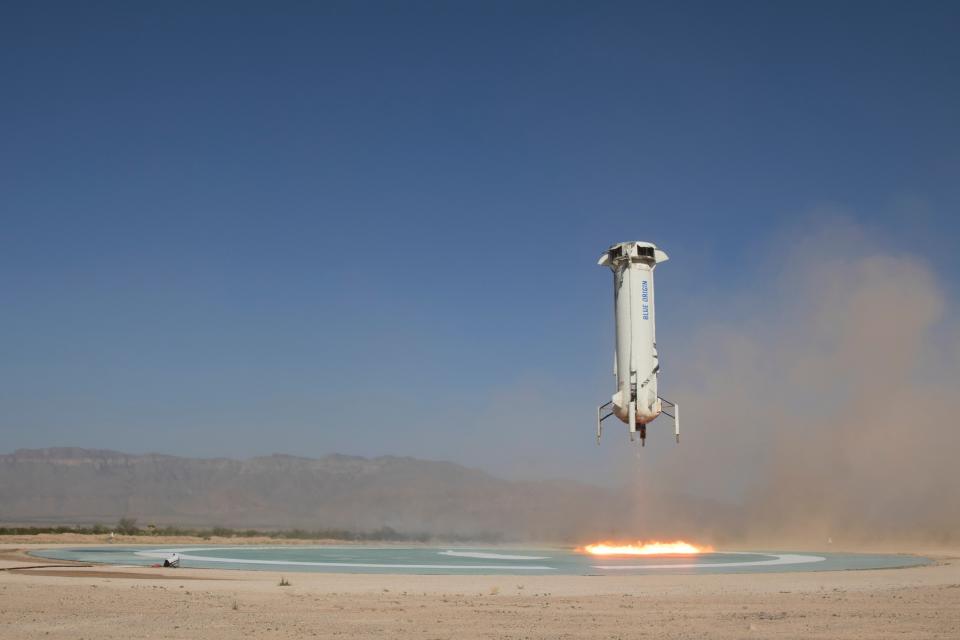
(488, 556)
(185, 555)
(775, 559)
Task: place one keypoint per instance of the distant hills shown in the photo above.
(84, 486)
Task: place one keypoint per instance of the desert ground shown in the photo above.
(52, 599)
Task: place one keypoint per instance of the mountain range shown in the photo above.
(86, 486)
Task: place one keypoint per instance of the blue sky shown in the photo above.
(371, 227)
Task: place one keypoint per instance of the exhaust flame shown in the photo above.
(644, 549)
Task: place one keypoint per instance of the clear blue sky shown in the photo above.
(371, 227)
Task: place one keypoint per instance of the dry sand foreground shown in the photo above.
(103, 602)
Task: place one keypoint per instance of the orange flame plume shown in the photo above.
(644, 549)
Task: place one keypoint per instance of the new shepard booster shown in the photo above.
(635, 361)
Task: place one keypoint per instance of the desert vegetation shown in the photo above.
(131, 527)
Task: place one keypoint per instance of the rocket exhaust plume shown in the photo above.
(678, 547)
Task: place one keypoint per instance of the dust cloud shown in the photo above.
(828, 410)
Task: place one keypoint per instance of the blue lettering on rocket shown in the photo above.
(645, 296)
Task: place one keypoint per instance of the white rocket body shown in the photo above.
(636, 363)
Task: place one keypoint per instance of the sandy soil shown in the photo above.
(111, 602)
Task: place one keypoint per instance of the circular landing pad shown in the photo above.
(473, 560)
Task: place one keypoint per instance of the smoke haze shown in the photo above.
(826, 409)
